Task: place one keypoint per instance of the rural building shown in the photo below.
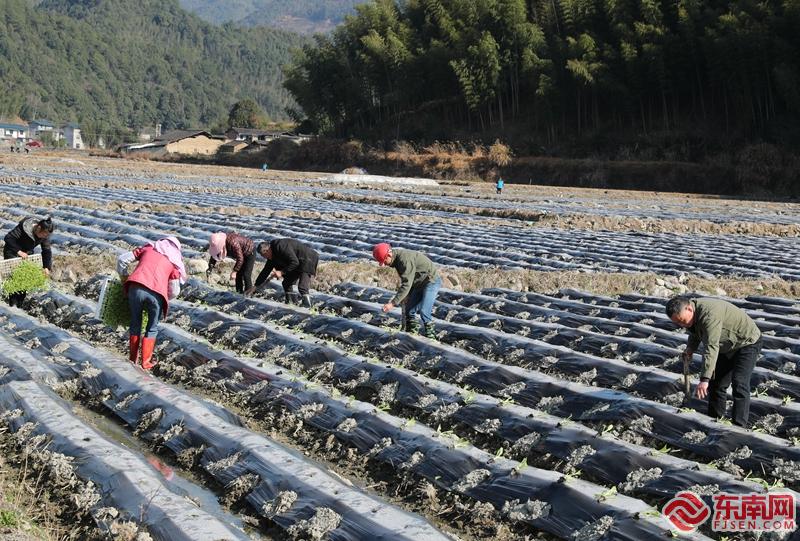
(250, 135)
(72, 135)
(13, 132)
(232, 147)
(182, 142)
(37, 128)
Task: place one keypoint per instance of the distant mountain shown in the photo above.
(302, 16)
(125, 63)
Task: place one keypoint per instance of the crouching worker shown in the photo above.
(292, 261)
(157, 279)
(732, 346)
(23, 240)
(419, 284)
(241, 250)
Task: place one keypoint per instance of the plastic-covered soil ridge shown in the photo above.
(521, 475)
(669, 428)
(247, 453)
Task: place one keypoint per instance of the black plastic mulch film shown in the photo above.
(572, 504)
(228, 452)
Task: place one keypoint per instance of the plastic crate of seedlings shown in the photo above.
(7, 266)
(20, 275)
(113, 308)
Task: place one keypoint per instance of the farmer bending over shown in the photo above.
(241, 249)
(157, 279)
(23, 240)
(291, 260)
(419, 284)
(732, 346)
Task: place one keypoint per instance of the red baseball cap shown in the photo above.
(380, 251)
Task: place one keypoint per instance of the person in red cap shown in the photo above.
(419, 284)
(157, 279)
(241, 249)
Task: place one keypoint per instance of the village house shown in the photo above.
(72, 135)
(232, 147)
(37, 128)
(13, 133)
(184, 142)
(251, 135)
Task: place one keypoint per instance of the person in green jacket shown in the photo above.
(419, 284)
(732, 347)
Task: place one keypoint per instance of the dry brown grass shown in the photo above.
(26, 511)
(500, 154)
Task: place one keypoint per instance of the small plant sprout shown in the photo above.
(603, 496)
(499, 452)
(521, 466)
(787, 400)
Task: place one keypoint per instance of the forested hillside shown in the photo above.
(303, 16)
(121, 63)
(543, 71)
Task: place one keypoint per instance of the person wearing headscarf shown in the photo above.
(156, 279)
(23, 240)
(241, 250)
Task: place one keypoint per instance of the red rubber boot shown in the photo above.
(148, 345)
(133, 349)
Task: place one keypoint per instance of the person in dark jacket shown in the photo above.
(291, 260)
(732, 347)
(419, 284)
(23, 240)
(241, 250)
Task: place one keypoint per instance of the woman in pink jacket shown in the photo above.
(157, 279)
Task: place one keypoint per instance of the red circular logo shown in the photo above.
(686, 511)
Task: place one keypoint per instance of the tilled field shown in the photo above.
(532, 416)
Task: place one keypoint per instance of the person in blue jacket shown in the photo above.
(500, 185)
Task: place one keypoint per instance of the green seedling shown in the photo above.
(115, 311)
(25, 277)
(603, 496)
(521, 466)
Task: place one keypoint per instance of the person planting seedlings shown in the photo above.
(241, 250)
(732, 346)
(23, 240)
(155, 280)
(419, 284)
(291, 260)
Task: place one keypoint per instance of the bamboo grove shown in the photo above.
(434, 68)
